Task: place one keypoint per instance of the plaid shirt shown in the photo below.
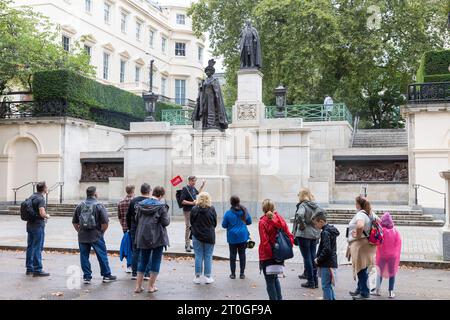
(122, 211)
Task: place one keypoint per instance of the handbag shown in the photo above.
(250, 243)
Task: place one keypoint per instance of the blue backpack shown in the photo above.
(282, 248)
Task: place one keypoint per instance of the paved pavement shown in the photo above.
(419, 243)
(175, 282)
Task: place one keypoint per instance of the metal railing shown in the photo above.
(178, 117)
(52, 188)
(416, 200)
(34, 183)
(313, 112)
(429, 92)
(355, 129)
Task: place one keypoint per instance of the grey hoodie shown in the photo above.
(152, 219)
(305, 211)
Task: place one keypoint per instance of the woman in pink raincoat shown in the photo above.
(388, 254)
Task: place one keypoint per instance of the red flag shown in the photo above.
(176, 181)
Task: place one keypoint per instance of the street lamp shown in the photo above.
(150, 98)
(280, 101)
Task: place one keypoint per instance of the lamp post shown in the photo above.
(280, 101)
(150, 98)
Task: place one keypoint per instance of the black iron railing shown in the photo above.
(431, 92)
(416, 200)
(54, 187)
(33, 183)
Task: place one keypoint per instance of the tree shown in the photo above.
(28, 43)
(363, 53)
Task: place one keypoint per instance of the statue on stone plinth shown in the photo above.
(250, 47)
(209, 112)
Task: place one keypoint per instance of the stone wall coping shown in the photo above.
(56, 120)
(425, 107)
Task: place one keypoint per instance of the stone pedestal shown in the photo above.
(446, 230)
(248, 111)
(209, 162)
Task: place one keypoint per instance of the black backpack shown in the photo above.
(87, 216)
(27, 212)
(179, 200)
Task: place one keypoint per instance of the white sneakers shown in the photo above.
(391, 294)
(128, 270)
(208, 280)
(196, 280)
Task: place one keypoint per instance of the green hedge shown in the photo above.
(82, 94)
(434, 67)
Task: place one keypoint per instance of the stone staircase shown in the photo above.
(63, 210)
(380, 138)
(401, 217)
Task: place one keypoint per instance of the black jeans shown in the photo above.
(234, 250)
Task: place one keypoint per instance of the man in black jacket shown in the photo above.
(132, 226)
(326, 258)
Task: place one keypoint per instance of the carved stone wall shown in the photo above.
(374, 171)
(100, 171)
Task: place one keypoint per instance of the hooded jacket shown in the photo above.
(268, 229)
(305, 211)
(152, 219)
(233, 221)
(203, 224)
(326, 254)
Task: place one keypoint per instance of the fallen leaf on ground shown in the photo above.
(58, 294)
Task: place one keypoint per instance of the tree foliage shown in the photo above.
(363, 53)
(29, 43)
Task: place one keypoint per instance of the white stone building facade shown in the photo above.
(122, 36)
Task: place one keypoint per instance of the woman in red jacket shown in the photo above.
(269, 224)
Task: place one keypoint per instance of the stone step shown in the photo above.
(394, 217)
(352, 211)
(434, 223)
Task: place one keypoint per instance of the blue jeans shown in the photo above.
(203, 257)
(391, 282)
(136, 254)
(150, 260)
(273, 286)
(363, 277)
(327, 287)
(35, 245)
(308, 249)
(102, 257)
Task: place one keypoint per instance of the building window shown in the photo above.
(180, 49)
(66, 43)
(88, 6)
(88, 51)
(137, 74)
(164, 45)
(180, 91)
(163, 86)
(151, 38)
(138, 30)
(105, 65)
(122, 71)
(181, 19)
(107, 13)
(200, 54)
(123, 22)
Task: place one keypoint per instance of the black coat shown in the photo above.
(152, 221)
(326, 254)
(203, 224)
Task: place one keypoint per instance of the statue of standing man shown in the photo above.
(250, 47)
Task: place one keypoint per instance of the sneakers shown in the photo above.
(209, 280)
(29, 273)
(133, 276)
(196, 280)
(375, 292)
(188, 248)
(302, 277)
(360, 297)
(41, 274)
(354, 293)
(146, 277)
(242, 276)
(87, 281)
(391, 294)
(128, 270)
(232, 276)
(109, 278)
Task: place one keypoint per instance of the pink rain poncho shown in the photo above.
(388, 253)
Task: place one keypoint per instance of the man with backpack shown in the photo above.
(90, 220)
(33, 211)
(186, 199)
